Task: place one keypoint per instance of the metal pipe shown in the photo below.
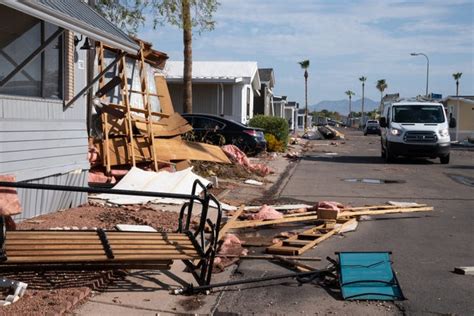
(191, 289)
(25, 185)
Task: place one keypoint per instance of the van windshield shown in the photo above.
(418, 114)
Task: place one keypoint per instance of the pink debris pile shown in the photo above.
(238, 156)
(265, 213)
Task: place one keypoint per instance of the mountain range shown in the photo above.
(342, 106)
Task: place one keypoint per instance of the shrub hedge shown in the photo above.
(276, 126)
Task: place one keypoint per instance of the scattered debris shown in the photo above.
(179, 182)
(253, 182)
(265, 213)
(229, 252)
(238, 156)
(309, 238)
(17, 288)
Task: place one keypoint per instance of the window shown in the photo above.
(418, 114)
(20, 36)
(206, 123)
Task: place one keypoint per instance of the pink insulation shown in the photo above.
(266, 213)
(9, 201)
(238, 156)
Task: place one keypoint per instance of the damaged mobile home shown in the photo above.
(71, 81)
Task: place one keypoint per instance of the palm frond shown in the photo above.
(304, 64)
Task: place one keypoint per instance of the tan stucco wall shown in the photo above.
(466, 116)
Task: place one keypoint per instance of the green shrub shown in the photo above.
(277, 126)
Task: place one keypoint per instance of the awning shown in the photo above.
(77, 16)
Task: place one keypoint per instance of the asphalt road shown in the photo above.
(426, 246)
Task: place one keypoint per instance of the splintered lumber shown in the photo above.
(385, 211)
(308, 239)
(228, 225)
(166, 150)
(284, 220)
(379, 207)
(164, 95)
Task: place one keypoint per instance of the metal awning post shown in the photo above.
(96, 78)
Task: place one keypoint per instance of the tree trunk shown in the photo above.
(188, 58)
(306, 99)
(457, 87)
(362, 118)
(350, 107)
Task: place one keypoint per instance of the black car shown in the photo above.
(220, 131)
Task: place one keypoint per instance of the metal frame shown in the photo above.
(204, 237)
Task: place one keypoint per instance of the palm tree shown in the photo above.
(350, 94)
(305, 65)
(381, 86)
(363, 79)
(456, 77)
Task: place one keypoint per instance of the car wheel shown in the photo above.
(444, 159)
(365, 134)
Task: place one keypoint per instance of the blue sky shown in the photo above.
(343, 40)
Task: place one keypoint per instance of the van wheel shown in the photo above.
(389, 157)
(444, 159)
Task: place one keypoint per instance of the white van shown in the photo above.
(415, 129)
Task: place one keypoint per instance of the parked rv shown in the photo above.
(415, 129)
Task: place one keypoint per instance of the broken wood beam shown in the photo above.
(387, 211)
(228, 225)
(257, 223)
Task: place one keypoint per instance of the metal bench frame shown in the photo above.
(204, 237)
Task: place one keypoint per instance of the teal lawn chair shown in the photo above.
(368, 276)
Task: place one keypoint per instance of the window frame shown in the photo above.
(61, 69)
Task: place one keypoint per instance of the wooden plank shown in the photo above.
(257, 223)
(228, 225)
(388, 211)
(164, 95)
(317, 234)
(297, 265)
(284, 250)
(128, 114)
(70, 252)
(97, 258)
(33, 247)
(378, 207)
(177, 149)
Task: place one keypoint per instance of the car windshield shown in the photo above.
(418, 114)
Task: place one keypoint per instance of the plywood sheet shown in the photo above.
(166, 150)
(164, 95)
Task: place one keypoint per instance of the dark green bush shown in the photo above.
(277, 126)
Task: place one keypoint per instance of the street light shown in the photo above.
(427, 68)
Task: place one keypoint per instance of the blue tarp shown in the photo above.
(368, 276)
